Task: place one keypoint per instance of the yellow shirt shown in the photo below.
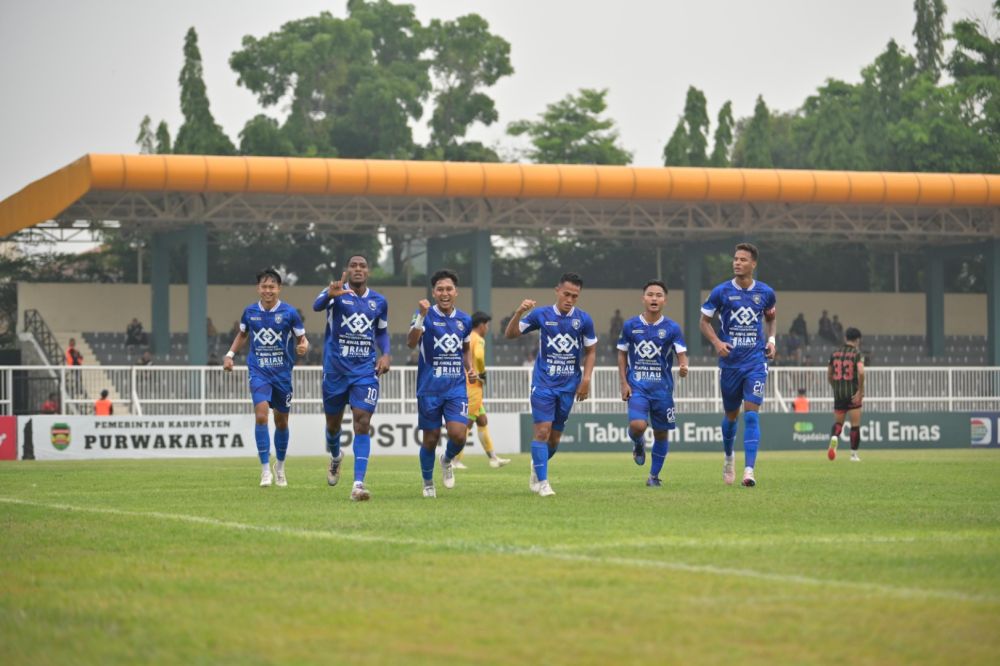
(478, 346)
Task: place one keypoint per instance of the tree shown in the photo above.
(199, 134)
(263, 136)
(829, 128)
(929, 33)
(145, 140)
(757, 151)
(975, 65)
(163, 145)
(573, 131)
(723, 136)
(691, 133)
(467, 57)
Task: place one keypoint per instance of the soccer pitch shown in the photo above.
(893, 560)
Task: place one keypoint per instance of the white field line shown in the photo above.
(780, 540)
(553, 553)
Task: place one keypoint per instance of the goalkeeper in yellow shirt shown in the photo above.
(477, 411)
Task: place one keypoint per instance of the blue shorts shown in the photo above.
(548, 406)
(338, 390)
(277, 395)
(433, 410)
(660, 410)
(742, 384)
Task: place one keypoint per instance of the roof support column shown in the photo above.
(693, 260)
(935, 303)
(482, 277)
(992, 258)
(159, 281)
(197, 242)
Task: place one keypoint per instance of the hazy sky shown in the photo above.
(77, 76)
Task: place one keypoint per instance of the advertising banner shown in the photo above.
(703, 432)
(985, 428)
(110, 437)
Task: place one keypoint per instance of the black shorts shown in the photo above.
(845, 405)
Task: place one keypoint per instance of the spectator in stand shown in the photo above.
(134, 335)
(615, 329)
(147, 358)
(73, 355)
(103, 406)
(51, 405)
(793, 350)
(838, 330)
(235, 330)
(213, 359)
(503, 326)
(799, 329)
(210, 329)
(74, 358)
(825, 330)
(801, 403)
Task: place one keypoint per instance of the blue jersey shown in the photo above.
(441, 368)
(352, 323)
(650, 349)
(272, 336)
(741, 315)
(561, 340)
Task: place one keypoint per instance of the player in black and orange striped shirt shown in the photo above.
(846, 374)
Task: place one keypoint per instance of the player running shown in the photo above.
(270, 325)
(442, 331)
(477, 410)
(565, 334)
(747, 318)
(357, 326)
(646, 348)
(846, 374)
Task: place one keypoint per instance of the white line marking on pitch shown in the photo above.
(779, 540)
(529, 551)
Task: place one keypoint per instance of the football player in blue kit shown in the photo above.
(646, 349)
(271, 326)
(566, 338)
(747, 322)
(355, 355)
(444, 363)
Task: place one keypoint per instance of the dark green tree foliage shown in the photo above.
(466, 59)
(675, 153)
(145, 140)
(199, 134)
(263, 136)
(929, 33)
(757, 151)
(688, 146)
(573, 131)
(723, 139)
(975, 66)
(830, 129)
(163, 145)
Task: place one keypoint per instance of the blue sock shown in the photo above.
(263, 438)
(280, 443)
(552, 451)
(751, 437)
(426, 464)
(660, 449)
(728, 435)
(333, 443)
(362, 447)
(452, 449)
(540, 459)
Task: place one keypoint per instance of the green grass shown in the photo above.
(894, 560)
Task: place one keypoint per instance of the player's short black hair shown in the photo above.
(358, 254)
(572, 278)
(749, 247)
(658, 283)
(480, 317)
(269, 273)
(852, 334)
(104, 393)
(444, 273)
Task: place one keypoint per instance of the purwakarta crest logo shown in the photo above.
(371, 305)
(60, 435)
(662, 333)
(277, 319)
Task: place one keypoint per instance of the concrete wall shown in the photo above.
(109, 307)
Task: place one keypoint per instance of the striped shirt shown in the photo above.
(844, 364)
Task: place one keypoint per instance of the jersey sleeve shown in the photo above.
(298, 327)
(383, 320)
(531, 321)
(244, 321)
(714, 302)
(770, 303)
(679, 345)
(589, 336)
(322, 301)
(467, 322)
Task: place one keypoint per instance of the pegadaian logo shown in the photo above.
(803, 426)
(60, 435)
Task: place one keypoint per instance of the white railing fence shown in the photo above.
(193, 390)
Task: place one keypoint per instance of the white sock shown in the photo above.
(279, 465)
(265, 466)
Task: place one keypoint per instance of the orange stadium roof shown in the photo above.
(48, 197)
